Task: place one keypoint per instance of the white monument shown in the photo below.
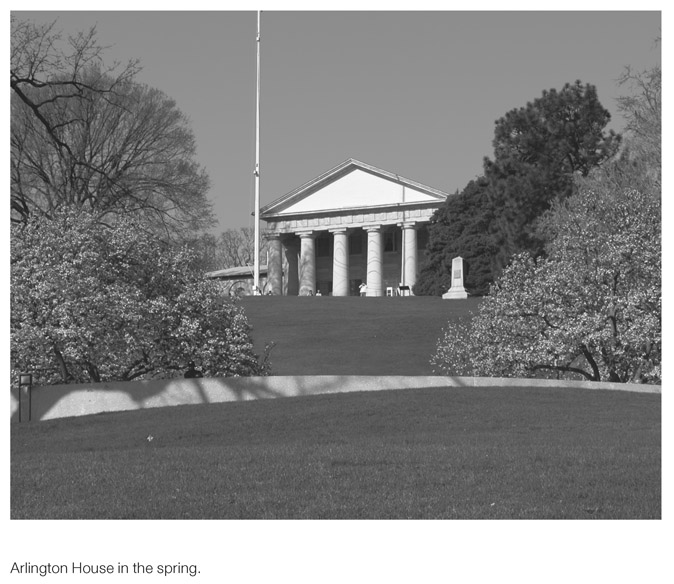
(456, 291)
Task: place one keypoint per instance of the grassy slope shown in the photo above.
(352, 335)
(455, 453)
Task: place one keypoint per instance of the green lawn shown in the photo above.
(325, 335)
(432, 453)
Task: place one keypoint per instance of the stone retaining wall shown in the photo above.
(59, 401)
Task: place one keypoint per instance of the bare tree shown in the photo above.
(642, 109)
(86, 135)
(41, 60)
(233, 248)
(236, 247)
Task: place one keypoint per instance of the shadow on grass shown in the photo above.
(59, 401)
(332, 337)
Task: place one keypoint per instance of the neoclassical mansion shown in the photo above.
(353, 225)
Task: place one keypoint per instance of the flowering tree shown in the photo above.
(91, 302)
(591, 308)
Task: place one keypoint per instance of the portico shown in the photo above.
(355, 224)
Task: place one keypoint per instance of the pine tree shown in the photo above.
(538, 150)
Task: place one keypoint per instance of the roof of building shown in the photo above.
(235, 273)
(418, 193)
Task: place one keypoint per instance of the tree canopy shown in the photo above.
(460, 228)
(95, 303)
(538, 150)
(90, 136)
(591, 307)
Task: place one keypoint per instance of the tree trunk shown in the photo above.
(63, 368)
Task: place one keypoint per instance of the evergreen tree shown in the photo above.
(538, 150)
(460, 228)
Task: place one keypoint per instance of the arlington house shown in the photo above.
(353, 230)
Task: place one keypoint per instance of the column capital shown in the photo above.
(370, 228)
(306, 234)
(338, 230)
(408, 224)
(271, 234)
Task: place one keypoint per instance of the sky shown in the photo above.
(411, 92)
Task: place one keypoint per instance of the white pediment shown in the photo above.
(353, 186)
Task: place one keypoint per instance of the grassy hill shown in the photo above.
(427, 453)
(325, 335)
(454, 453)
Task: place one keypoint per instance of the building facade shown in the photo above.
(239, 281)
(354, 225)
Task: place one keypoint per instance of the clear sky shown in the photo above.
(415, 93)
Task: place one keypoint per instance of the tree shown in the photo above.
(460, 228)
(592, 307)
(94, 303)
(88, 136)
(41, 60)
(538, 150)
(232, 248)
(236, 247)
(642, 110)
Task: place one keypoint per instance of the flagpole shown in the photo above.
(256, 275)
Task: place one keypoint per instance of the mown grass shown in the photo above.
(352, 335)
(456, 453)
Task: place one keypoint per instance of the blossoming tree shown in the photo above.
(91, 302)
(591, 308)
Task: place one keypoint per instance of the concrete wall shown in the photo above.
(59, 401)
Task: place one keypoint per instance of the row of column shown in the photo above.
(340, 261)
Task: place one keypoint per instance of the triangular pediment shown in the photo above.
(352, 186)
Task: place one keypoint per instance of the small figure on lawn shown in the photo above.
(191, 372)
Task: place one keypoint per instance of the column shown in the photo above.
(274, 264)
(375, 280)
(292, 280)
(340, 262)
(307, 266)
(409, 255)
